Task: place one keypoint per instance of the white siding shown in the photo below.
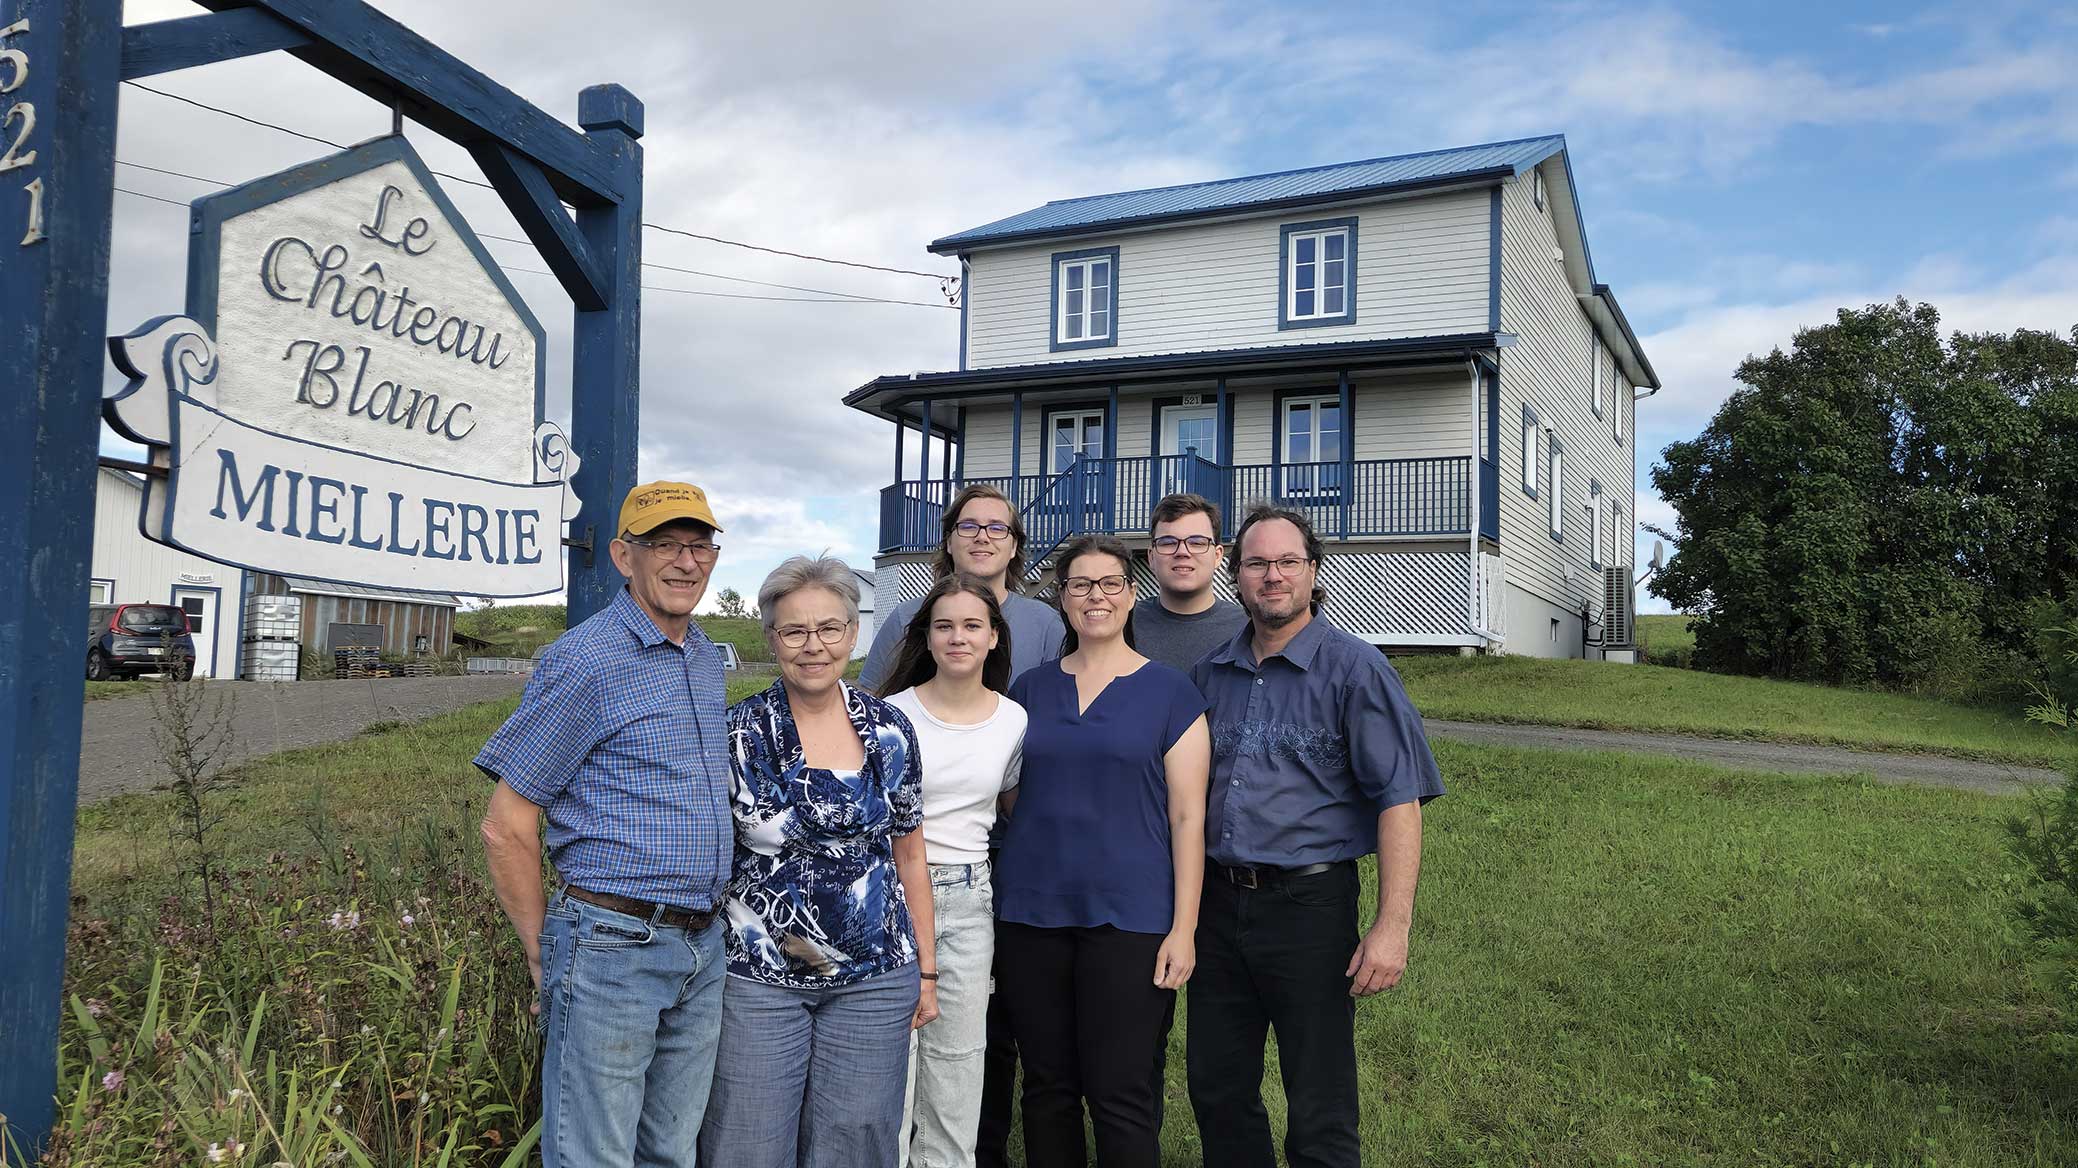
(146, 572)
(1421, 270)
(1548, 369)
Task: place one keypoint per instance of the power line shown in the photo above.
(838, 298)
(942, 277)
(858, 296)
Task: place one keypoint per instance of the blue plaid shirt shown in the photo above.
(622, 737)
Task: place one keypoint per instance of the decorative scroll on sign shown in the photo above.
(355, 393)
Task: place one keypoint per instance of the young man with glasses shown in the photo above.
(1185, 619)
(1318, 760)
(621, 742)
(984, 538)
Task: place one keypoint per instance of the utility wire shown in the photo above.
(153, 198)
(939, 276)
(861, 297)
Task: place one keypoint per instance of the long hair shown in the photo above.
(951, 519)
(1089, 545)
(914, 664)
(1315, 550)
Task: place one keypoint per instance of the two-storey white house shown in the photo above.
(1412, 351)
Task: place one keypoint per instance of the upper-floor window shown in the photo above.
(1594, 507)
(1557, 466)
(1621, 392)
(1594, 364)
(1085, 298)
(1317, 276)
(1313, 436)
(1529, 452)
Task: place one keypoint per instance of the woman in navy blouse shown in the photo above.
(829, 939)
(1098, 881)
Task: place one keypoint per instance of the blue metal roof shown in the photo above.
(1288, 188)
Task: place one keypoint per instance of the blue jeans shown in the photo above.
(632, 1010)
(811, 1078)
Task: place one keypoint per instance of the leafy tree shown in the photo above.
(729, 603)
(1880, 506)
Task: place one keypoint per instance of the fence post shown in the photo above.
(59, 77)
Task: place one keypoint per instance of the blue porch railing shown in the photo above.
(1380, 497)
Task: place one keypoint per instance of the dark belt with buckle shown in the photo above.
(677, 918)
(1256, 877)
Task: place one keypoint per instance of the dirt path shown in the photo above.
(117, 756)
(1995, 778)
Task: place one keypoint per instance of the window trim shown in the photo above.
(1528, 451)
(1081, 411)
(1594, 362)
(1348, 226)
(1555, 465)
(1056, 305)
(1620, 394)
(1285, 400)
(1594, 504)
(110, 599)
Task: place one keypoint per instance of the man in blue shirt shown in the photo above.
(621, 741)
(1318, 759)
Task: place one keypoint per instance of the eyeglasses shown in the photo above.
(1197, 545)
(1288, 566)
(1081, 585)
(668, 550)
(971, 529)
(796, 636)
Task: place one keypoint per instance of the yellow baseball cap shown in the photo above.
(652, 505)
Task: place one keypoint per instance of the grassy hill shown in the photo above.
(517, 630)
(1602, 696)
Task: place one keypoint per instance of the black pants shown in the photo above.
(998, 1082)
(1088, 1019)
(1269, 957)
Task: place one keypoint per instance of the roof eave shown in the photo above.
(965, 242)
(1623, 325)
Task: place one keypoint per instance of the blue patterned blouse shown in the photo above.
(815, 900)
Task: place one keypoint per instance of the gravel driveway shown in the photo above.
(117, 756)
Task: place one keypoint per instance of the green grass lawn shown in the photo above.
(520, 629)
(96, 690)
(1644, 697)
(1617, 960)
(1666, 633)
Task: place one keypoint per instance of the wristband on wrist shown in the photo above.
(928, 976)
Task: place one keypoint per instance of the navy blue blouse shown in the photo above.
(1088, 842)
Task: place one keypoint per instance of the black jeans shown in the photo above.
(998, 1082)
(1268, 957)
(1088, 1018)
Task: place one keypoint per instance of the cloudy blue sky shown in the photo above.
(1744, 170)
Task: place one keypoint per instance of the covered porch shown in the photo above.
(1106, 439)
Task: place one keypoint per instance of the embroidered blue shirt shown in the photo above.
(1307, 748)
(815, 900)
(620, 738)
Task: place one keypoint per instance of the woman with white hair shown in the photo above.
(829, 940)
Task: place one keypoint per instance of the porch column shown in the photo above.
(1348, 446)
(1111, 462)
(923, 455)
(901, 432)
(945, 456)
(1223, 423)
(1017, 442)
(960, 470)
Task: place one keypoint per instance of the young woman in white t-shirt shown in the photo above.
(948, 678)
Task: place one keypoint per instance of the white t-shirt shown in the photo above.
(966, 766)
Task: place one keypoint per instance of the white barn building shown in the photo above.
(130, 569)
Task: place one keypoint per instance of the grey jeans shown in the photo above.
(944, 1100)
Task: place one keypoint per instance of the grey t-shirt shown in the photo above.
(1180, 641)
(1035, 638)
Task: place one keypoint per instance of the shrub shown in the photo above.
(2046, 841)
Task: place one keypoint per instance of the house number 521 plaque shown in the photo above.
(18, 126)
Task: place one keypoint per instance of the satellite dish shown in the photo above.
(1659, 555)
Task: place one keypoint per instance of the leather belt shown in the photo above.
(677, 918)
(1256, 877)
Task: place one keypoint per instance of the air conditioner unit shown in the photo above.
(1616, 607)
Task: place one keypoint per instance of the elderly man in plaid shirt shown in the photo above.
(621, 741)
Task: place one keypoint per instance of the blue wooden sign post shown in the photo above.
(61, 62)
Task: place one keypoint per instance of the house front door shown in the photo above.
(200, 605)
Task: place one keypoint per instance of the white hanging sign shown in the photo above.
(355, 394)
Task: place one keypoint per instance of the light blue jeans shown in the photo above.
(811, 1078)
(945, 1063)
(632, 1011)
